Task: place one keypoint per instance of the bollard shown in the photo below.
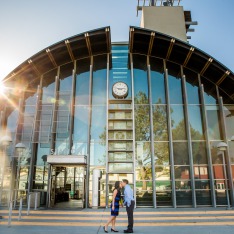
(36, 195)
(29, 201)
(20, 208)
(10, 214)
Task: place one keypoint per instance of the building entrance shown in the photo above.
(67, 189)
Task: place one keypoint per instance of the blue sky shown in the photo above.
(27, 26)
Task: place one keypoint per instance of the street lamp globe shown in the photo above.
(222, 146)
(20, 146)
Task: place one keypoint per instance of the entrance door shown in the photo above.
(67, 187)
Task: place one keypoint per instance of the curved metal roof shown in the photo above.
(80, 46)
(141, 41)
(148, 42)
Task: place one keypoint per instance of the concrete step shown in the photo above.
(146, 218)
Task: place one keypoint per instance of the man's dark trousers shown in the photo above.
(130, 215)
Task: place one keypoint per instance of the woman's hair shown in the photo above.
(117, 185)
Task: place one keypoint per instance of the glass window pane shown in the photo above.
(120, 167)
(229, 119)
(201, 172)
(160, 123)
(144, 185)
(82, 88)
(48, 84)
(120, 156)
(144, 173)
(175, 90)
(42, 150)
(143, 154)
(163, 173)
(202, 184)
(178, 122)
(183, 184)
(99, 87)
(81, 124)
(163, 185)
(210, 94)
(218, 172)
(142, 123)
(119, 70)
(62, 147)
(79, 148)
(161, 153)
(144, 198)
(98, 125)
(213, 118)
(215, 153)
(140, 79)
(192, 94)
(184, 198)
(66, 77)
(231, 151)
(182, 173)
(180, 150)
(158, 88)
(163, 198)
(221, 198)
(195, 121)
(97, 154)
(203, 197)
(199, 153)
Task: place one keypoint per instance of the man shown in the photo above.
(129, 203)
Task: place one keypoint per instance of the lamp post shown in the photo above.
(5, 141)
(222, 146)
(19, 148)
(44, 158)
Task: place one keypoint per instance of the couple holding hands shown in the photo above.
(128, 202)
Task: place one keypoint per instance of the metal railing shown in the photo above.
(21, 206)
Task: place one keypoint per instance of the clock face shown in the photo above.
(120, 90)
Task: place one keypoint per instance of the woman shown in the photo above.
(114, 207)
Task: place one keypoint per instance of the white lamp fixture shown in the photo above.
(232, 138)
(20, 146)
(222, 146)
(5, 140)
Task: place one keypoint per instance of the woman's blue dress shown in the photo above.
(115, 212)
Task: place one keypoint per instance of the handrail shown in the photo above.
(11, 207)
(21, 206)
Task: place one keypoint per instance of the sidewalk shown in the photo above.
(147, 221)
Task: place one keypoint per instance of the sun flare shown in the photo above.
(2, 88)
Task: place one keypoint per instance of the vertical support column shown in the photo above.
(151, 135)
(35, 136)
(16, 171)
(48, 198)
(133, 130)
(208, 152)
(170, 137)
(89, 135)
(55, 112)
(2, 116)
(107, 128)
(72, 110)
(188, 133)
(228, 167)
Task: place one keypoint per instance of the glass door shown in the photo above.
(67, 187)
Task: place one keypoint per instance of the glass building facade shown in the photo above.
(162, 136)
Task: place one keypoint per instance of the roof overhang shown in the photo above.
(155, 44)
(91, 43)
